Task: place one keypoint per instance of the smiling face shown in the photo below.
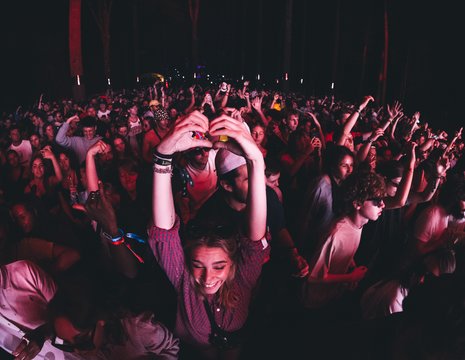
(211, 267)
(89, 132)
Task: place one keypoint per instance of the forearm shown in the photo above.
(57, 169)
(61, 137)
(162, 202)
(224, 101)
(256, 200)
(91, 173)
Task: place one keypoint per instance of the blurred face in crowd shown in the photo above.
(89, 132)
(15, 136)
(119, 145)
(146, 125)
(343, 169)
(133, 110)
(392, 185)
(23, 217)
(273, 180)
(91, 111)
(258, 134)
(163, 123)
(128, 179)
(123, 131)
(38, 169)
(13, 159)
(64, 162)
(50, 132)
(292, 122)
(210, 268)
(35, 141)
(83, 342)
(59, 117)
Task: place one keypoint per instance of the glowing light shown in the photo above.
(108, 81)
(332, 85)
(258, 76)
(277, 81)
(78, 80)
(195, 75)
(301, 81)
(137, 79)
(286, 76)
(242, 77)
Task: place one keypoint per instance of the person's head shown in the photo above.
(211, 257)
(66, 160)
(198, 157)
(58, 116)
(89, 127)
(122, 129)
(258, 133)
(299, 142)
(292, 120)
(24, 215)
(15, 135)
(128, 175)
(133, 109)
(119, 144)
(37, 119)
(90, 111)
(232, 175)
(147, 123)
(362, 194)
(80, 318)
(37, 167)
(272, 173)
(392, 172)
(162, 119)
(338, 163)
(34, 139)
(102, 106)
(452, 197)
(12, 158)
(49, 132)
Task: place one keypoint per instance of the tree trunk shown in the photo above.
(287, 43)
(194, 6)
(75, 50)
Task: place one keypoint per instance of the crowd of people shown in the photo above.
(229, 222)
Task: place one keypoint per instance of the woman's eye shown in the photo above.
(197, 266)
(219, 268)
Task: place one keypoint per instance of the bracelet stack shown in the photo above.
(162, 160)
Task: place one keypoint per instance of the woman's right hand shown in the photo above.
(99, 147)
(180, 137)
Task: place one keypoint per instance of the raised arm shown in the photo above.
(192, 103)
(61, 138)
(350, 123)
(402, 193)
(257, 105)
(179, 138)
(91, 170)
(48, 154)
(241, 143)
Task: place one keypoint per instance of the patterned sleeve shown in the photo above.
(254, 254)
(167, 249)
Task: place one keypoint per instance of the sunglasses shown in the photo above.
(377, 201)
(199, 150)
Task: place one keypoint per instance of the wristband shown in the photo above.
(160, 161)
(116, 240)
(162, 156)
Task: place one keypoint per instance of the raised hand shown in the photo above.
(180, 137)
(100, 147)
(240, 141)
(394, 110)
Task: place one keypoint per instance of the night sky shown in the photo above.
(245, 37)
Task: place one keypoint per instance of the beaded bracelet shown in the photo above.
(167, 170)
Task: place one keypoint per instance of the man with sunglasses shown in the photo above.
(195, 181)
